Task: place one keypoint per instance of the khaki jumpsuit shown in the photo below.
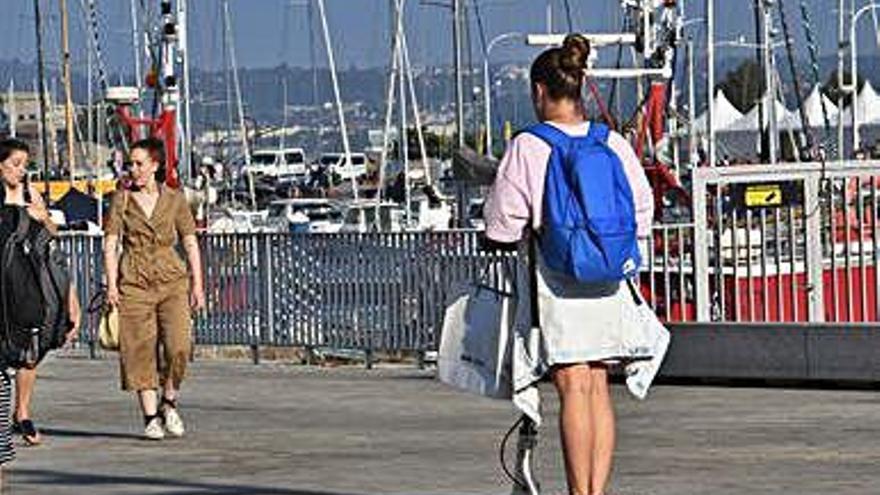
(154, 290)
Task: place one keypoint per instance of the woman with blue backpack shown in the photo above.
(577, 191)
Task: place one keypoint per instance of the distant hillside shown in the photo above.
(263, 91)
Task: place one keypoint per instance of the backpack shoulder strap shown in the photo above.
(22, 223)
(550, 135)
(125, 197)
(599, 132)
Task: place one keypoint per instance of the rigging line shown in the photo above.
(638, 112)
(814, 66)
(568, 17)
(468, 36)
(876, 20)
(95, 45)
(795, 79)
(480, 27)
(814, 63)
(759, 39)
(117, 136)
(599, 103)
(626, 24)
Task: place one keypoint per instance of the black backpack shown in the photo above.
(34, 290)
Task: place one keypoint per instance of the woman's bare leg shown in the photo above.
(149, 402)
(602, 425)
(574, 386)
(25, 380)
(169, 392)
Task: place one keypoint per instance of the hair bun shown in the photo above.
(575, 53)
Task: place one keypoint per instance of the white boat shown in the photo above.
(307, 215)
(229, 221)
(429, 213)
(367, 216)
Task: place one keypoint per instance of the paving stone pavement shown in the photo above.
(279, 429)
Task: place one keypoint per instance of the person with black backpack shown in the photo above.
(34, 281)
(576, 190)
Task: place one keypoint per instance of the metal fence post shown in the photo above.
(701, 247)
(813, 224)
(269, 288)
(362, 326)
(253, 248)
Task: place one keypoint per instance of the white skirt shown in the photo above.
(581, 322)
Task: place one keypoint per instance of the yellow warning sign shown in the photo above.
(763, 195)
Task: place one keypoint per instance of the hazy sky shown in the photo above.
(269, 32)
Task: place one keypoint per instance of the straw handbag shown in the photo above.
(108, 329)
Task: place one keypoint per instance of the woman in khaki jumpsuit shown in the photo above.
(150, 285)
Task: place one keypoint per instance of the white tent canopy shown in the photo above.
(749, 122)
(868, 102)
(725, 114)
(813, 108)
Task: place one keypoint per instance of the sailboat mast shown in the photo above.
(68, 90)
(183, 43)
(41, 89)
(90, 117)
(281, 140)
(459, 83)
(312, 55)
(135, 44)
(404, 138)
(341, 114)
(13, 111)
(841, 83)
(396, 5)
(245, 146)
(423, 150)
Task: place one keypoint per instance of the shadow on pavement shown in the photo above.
(130, 484)
(62, 432)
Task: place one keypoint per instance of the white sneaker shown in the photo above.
(154, 430)
(173, 422)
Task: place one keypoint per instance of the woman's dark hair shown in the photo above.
(561, 69)
(7, 146)
(156, 149)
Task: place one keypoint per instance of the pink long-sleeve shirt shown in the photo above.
(517, 196)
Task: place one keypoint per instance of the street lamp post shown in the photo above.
(710, 80)
(487, 95)
(854, 69)
(769, 81)
(459, 83)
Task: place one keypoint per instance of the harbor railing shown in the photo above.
(791, 244)
(369, 292)
(787, 243)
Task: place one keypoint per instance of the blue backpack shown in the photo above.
(589, 225)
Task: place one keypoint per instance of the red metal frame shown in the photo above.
(164, 127)
(659, 174)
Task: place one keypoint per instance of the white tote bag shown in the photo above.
(474, 346)
(644, 335)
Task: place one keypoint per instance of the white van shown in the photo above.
(280, 163)
(335, 163)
